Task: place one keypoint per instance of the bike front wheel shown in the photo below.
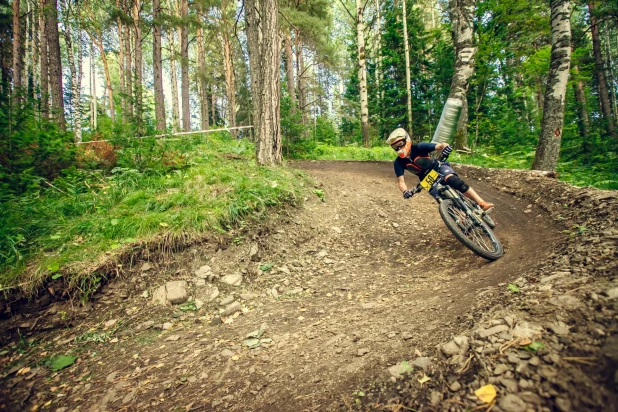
(473, 233)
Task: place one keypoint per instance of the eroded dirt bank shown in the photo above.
(358, 283)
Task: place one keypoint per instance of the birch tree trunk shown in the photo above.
(158, 68)
(264, 48)
(289, 65)
(108, 78)
(406, 47)
(600, 71)
(93, 90)
(203, 87)
(462, 13)
(362, 71)
(548, 149)
(213, 105)
(17, 62)
(184, 64)
(138, 87)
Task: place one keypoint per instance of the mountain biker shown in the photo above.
(415, 158)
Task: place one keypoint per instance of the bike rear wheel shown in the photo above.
(473, 233)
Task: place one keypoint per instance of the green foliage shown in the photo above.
(213, 184)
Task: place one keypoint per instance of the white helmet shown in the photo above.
(400, 141)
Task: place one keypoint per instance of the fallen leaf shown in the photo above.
(525, 342)
(60, 362)
(235, 357)
(23, 371)
(486, 393)
(424, 379)
(48, 403)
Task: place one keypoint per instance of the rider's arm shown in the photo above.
(402, 184)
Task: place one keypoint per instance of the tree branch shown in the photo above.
(349, 14)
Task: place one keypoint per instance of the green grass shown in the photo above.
(602, 174)
(67, 231)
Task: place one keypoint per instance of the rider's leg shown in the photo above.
(468, 192)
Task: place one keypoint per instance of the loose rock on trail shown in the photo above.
(363, 301)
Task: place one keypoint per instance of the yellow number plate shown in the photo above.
(429, 180)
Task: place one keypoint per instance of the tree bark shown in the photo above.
(230, 78)
(174, 81)
(378, 74)
(121, 65)
(55, 62)
(600, 71)
(406, 47)
(93, 90)
(462, 12)
(362, 71)
(213, 105)
(137, 84)
(184, 64)
(75, 75)
(300, 64)
(128, 73)
(548, 149)
(203, 87)
(17, 61)
(582, 110)
(264, 47)
(289, 65)
(158, 68)
(108, 79)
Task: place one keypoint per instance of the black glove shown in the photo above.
(408, 194)
(446, 151)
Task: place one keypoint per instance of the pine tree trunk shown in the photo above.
(548, 149)
(582, 110)
(289, 66)
(138, 87)
(77, 90)
(462, 13)
(264, 47)
(158, 68)
(174, 81)
(378, 73)
(184, 64)
(203, 87)
(230, 81)
(55, 61)
(75, 81)
(362, 71)
(121, 65)
(600, 71)
(129, 72)
(108, 79)
(17, 62)
(44, 56)
(406, 47)
(300, 64)
(230, 78)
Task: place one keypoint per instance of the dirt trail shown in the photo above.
(362, 281)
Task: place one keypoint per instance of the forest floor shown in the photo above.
(316, 308)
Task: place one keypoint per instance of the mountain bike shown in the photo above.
(464, 218)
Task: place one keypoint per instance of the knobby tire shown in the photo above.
(485, 243)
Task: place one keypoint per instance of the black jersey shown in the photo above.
(418, 151)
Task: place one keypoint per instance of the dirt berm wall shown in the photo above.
(549, 342)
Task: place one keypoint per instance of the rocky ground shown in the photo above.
(363, 301)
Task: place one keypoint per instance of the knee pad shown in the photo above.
(457, 183)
